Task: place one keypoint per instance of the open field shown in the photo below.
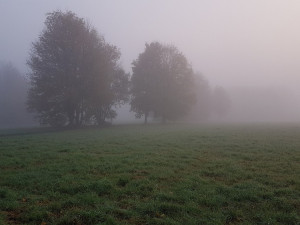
(172, 174)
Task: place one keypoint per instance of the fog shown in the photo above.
(264, 104)
(13, 95)
(249, 48)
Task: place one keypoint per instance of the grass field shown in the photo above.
(172, 174)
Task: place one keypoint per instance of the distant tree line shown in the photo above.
(13, 95)
(212, 102)
(76, 78)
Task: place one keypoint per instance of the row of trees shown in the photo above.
(212, 102)
(76, 78)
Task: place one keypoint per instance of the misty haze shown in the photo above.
(149, 112)
(250, 49)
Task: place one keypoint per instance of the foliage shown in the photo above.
(75, 75)
(162, 83)
(152, 175)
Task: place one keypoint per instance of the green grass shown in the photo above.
(172, 174)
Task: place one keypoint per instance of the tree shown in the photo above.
(162, 83)
(202, 110)
(13, 93)
(211, 102)
(75, 76)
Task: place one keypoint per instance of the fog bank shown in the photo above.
(264, 104)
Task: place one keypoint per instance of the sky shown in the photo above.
(233, 43)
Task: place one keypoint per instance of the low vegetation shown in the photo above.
(172, 174)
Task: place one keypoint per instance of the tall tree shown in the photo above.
(162, 83)
(74, 73)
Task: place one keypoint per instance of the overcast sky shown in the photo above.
(231, 42)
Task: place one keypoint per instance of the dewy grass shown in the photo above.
(172, 174)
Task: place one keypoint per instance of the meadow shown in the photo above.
(156, 174)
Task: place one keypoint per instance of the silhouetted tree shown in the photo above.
(162, 83)
(13, 94)
(75, 76)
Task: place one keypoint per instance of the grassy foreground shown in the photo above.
(172, 174)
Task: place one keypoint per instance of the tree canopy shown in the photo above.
(75, 75)
(162, 83)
